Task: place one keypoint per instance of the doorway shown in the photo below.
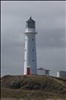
(28, 71)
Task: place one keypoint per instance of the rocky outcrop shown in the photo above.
(14, 85)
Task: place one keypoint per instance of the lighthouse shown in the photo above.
(30, 61)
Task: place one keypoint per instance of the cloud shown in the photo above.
(50, 23)
(51, 38)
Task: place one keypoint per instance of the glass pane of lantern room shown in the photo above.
(30, 25)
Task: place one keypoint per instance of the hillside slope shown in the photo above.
(37, 86)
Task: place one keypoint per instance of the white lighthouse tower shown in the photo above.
(30, 62)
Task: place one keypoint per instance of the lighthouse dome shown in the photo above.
(30, 20)
(30, 23)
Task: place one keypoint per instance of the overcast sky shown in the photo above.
(50, 40)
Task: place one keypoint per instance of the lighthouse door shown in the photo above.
(28, 71)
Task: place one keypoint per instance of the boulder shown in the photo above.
(14, 85)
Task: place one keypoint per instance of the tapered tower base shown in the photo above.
(30, 62)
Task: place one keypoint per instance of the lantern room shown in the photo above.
(30, 23)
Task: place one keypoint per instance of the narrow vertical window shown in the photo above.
(32, 39)
(33, 60)
(32, 49)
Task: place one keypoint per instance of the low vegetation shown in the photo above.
(34, 86)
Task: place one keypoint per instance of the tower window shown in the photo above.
(32, 39)
(32, 49)
(33, 60)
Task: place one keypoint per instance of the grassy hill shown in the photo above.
(34, 86)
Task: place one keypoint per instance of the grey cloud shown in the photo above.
(53, 59)
(51, 38)
(50, 22)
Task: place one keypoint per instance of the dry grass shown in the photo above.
(27, 99)
(10, 99)
(42, 88)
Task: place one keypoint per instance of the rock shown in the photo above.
(14, 85)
